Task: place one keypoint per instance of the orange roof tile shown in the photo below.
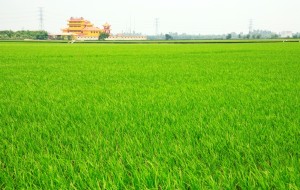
(92, 28)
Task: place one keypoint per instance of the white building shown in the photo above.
(123, 37)
(86, 38)
(286, 34)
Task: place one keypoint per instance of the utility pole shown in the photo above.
(41, 18)
(156, 26)
(130, 26)
(250, 26)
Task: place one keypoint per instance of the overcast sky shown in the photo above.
(182, 16)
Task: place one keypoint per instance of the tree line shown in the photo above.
(256, 34)
(23, 34)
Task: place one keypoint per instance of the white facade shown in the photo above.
(126, 38)
(86, 38)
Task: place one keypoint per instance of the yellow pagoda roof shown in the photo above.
(92, 28)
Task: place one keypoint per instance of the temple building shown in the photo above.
(82, 29)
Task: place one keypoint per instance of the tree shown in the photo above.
(274, 36)
(168, 37)
(258, 36)
(297, 35)
(41, 35)
(23, 34)
(229, 36)
(103, 36)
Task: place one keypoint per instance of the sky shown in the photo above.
(188, 16)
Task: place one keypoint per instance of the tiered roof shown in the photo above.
(92, 28)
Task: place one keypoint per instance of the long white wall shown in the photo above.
(81, 38)
(126, 38)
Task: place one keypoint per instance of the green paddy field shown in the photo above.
(149, 116)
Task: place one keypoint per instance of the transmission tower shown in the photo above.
(41, 18)
(130, 31)
(250, 26)
(156, 26)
